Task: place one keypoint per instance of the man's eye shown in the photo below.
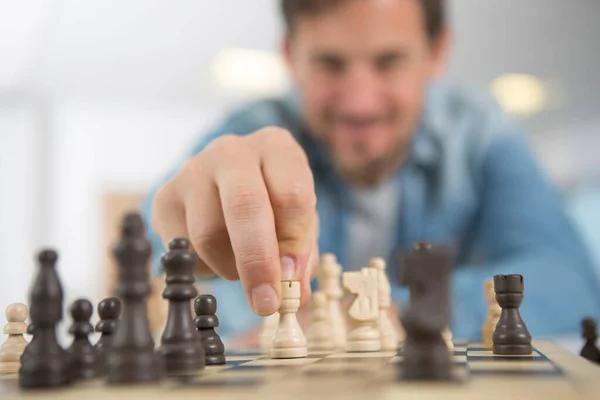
(331, 64)
(390, 62)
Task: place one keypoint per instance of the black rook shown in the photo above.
(511, 336)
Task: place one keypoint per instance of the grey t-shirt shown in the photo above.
(373, 223)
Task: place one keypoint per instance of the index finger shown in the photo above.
(249, 219)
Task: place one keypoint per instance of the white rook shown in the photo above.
(289, 340)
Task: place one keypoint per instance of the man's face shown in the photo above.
(361, 69)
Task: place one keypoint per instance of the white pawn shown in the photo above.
(289, 340)
(268, 332)
(13, 347)
(447, 336)
(389, 338)
(319, 333)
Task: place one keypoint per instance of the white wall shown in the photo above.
(100, 146)
(20, 190)
(90, 147)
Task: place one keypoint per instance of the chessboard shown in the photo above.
(550, 372)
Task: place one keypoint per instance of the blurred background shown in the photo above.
(99, 98)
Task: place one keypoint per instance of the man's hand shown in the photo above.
(247, 205)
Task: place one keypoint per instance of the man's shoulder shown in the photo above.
(470, 115)
(452, 104)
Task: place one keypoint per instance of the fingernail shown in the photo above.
(264, 299)
(288, 269)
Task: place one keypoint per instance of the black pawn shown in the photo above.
(206, 321)
(132, 358)
(109, 311)
(511, 336)
(83, 359)
(181, 347)
(44, 362)
(590, 334)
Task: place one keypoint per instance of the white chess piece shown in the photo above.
(13, 347)
(493, 314)
(268, 331)
(319, 332)
(363, 314)
(389, 338)
(289, 340)
(447, 336)
(330, 273)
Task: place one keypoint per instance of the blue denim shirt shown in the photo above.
(470, 182)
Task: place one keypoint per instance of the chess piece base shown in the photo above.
(177, 365)
(54, 374)
(389, 343)
(141, 367)
(486, 337)
(296, 352)
(9, 367)
(363, 346)
(215, 359)
(427, 360)
(512, 349)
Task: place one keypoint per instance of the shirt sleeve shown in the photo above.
(524, 229)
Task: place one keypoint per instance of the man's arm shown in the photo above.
(524, 229)
(246, 202)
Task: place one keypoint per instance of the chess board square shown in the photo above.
(380, 354)
(512, 366)
(211, 369)
(477, 346)
(455, 358)
(490, 354)
(459, 349)
(340, 367)
(283, 362)
(242, 358)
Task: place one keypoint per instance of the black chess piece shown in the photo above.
(44, 362)
(426, 272)
(181, 347)
(131, 358)
(206, 321)
(589, 332)
(511, 336)
(109, 311)
(83, 360)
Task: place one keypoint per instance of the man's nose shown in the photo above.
(361, 92)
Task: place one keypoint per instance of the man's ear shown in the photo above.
(440, 48)
(286, 52)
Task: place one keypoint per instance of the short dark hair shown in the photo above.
(433, 11)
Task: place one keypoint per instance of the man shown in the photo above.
(368, 155)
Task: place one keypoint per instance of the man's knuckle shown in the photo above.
(227, 146)
(297, 199)
(206, 239)
(254, 261)
(164, 199)
(246, 204)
